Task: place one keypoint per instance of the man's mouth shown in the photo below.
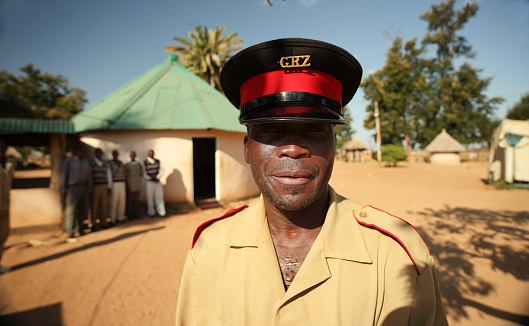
(295, 178)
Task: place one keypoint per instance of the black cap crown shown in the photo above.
(291, 79)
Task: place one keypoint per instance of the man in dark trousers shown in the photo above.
(76, 185)
(302, 254)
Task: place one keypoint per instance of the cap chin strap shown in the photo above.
(292, 99)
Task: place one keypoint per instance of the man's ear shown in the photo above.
(246, 140)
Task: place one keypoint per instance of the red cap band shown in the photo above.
(306, 80)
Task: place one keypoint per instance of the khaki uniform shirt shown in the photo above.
(366, 267)
(6, 177)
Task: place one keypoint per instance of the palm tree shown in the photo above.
(206, 53)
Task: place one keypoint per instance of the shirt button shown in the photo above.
(363, 214)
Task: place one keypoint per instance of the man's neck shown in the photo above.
(306, 220)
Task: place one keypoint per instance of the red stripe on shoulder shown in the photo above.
(204, 225)
(393, 235)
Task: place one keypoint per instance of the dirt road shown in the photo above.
(129, 275)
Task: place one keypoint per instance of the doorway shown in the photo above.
(204, 168)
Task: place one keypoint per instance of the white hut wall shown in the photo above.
(235, 180)
(174, 148)
(445, 158)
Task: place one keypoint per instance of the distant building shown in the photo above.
(354, 151)
(444, 149)
(192, 128)
(509, 152)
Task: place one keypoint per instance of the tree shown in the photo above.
(457, 103)
(38, 95)
(399, 88)
(520, 111)
(206, 53)
(344, 133)
(420, 91)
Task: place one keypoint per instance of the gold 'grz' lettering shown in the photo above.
(295, 61)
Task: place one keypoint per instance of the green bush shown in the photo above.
(393, 153)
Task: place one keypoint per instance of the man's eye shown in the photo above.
(269, 129)
(314, 129)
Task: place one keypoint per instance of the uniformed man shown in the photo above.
(302, 254)
(6, 177)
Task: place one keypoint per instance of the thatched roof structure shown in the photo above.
(444, 143)
(355, 144)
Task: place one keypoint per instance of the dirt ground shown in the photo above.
(129, 275)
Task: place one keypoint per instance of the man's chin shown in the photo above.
(292, 201)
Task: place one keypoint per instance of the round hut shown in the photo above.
(354, 150)
(192, 128)
(444, 149)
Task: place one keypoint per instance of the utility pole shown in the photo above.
(377, 121)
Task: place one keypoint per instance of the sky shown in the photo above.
(100, 45)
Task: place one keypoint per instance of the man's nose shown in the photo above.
(293, 151)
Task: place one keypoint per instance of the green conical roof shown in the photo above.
(166, 97)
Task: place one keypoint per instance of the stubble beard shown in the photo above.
(288, 201)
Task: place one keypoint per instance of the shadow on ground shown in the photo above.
(84, 247)
(500, 239)
(44, 316)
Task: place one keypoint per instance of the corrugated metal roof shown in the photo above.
(36, 126)
(444, 143)
(166, 97)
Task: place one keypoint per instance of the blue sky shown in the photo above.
(100, 45)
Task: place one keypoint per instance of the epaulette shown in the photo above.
(204, 225)
(399, 230)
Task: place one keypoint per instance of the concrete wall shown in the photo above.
(174, 148)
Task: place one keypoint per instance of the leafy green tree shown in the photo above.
(399, 89)
(38, 95)
(420, 91)
(457, 103)
(392, 154)
(520, 111)
(206, 53)
(344, 133)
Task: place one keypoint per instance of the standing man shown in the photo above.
(102, 187)
(302, 254)
(153, 187)
(134, 172)
(76, 184)
(6, 176)
(117, 197)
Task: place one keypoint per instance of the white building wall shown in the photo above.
(445, 158)
(174, 148)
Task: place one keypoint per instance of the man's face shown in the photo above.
(79, 152)
(150, 153)
(132, 156)
(115, 154)
(291, 163)
(99, 154)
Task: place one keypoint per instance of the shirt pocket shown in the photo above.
(207, 318)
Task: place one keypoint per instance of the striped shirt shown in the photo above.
(118, 171)
(100, 172)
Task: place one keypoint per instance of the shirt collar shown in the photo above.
(151, 160)
(340, 234)
(98, 161)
